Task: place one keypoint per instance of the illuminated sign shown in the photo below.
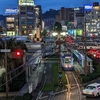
(79, 32)
(11, 11)
(76, 8)
(10, 19)
(88, 7)
(26, 2)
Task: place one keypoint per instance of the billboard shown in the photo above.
(71, 32)
(26, 2)
(79, 32)
(88, 7)
(10, 19)
(11, 11)
(10, 26)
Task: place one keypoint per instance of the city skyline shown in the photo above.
(46, 5)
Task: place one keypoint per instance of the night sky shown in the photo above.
(46, 4)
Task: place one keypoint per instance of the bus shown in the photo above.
(67, 61)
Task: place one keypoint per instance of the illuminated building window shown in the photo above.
(30, 17)
(23, 22)
(10, 25)
(10, 19)
(30, 26)
(23, 17)
(94, 30)
(91, 30)
(29, 22)
(93, 23)
(29, 12)
(24, 27)
(97, 12)
(24, 32)
(29, 31)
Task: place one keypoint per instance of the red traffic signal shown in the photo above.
(18, 53)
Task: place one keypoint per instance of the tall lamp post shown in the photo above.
(85, 59)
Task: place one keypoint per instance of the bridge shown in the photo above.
(34, 46)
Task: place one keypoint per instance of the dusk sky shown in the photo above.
(46, 4)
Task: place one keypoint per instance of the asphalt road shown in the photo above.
(92, 98)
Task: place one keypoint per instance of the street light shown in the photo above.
(54, 34)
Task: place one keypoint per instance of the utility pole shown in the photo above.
(6, 72)
(60, 68)
(85, 58)
(87, 9)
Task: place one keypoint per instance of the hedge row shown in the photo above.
(26, 96)
(89, 77)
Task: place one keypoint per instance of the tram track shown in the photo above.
(73, 92)
(73, 83)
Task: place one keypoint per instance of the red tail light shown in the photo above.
(93, 93)
(82, 92)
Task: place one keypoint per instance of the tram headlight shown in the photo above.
(70, 66)
(66, 66)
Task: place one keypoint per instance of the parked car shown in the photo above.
(92, 90)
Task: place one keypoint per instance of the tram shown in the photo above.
(67, 61)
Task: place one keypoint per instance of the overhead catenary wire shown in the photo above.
(19, 68)
(26, 65)
(22, 65)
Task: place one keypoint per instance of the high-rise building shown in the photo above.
(79, 18)
(38, 14)
(93, 20)
(26, 17)
(66, 14)
(11, 21)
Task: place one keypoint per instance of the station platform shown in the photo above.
(78, 68)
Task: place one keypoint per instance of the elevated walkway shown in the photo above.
(34, 46)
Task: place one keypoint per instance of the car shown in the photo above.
(92, 90)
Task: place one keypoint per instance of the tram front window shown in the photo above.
(67, 60)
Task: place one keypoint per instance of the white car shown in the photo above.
(92, 90)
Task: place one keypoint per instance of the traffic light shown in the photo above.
(18, 53)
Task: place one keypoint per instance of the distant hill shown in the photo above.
(3, 20)
(52, 14)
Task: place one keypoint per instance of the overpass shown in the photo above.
(34, 46)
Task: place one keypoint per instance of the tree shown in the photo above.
(44, 33)
(1, 29)
(1, 46)
(58, 27)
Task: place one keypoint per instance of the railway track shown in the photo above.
(72, 93)
(74, 90)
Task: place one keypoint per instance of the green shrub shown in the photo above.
(19, 98)
(85, 79)
(64, 78)
(92, 75)
(27, 96)
(56, 74)
(47, 87)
